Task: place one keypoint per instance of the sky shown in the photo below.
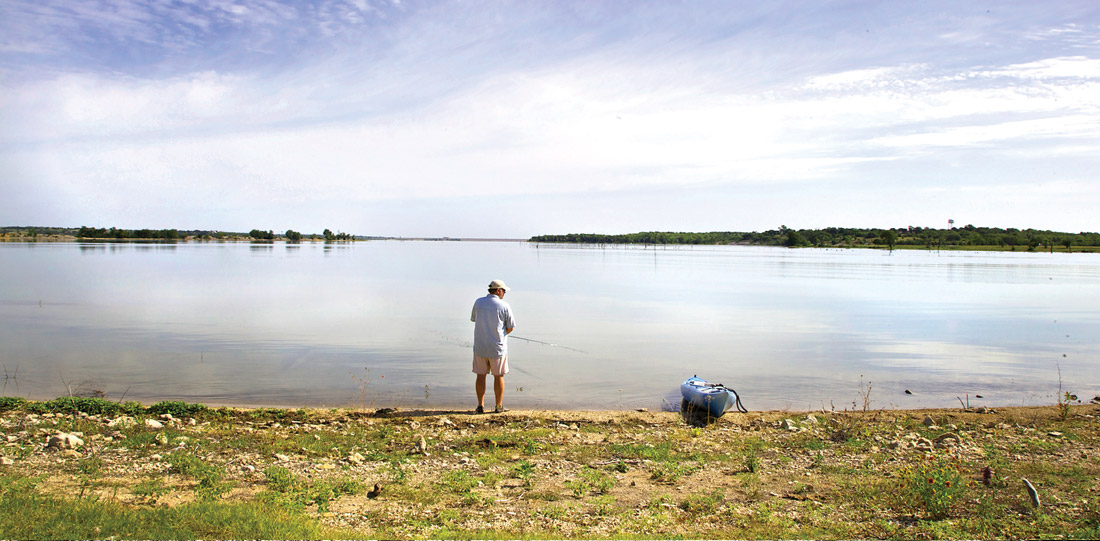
(507, 119)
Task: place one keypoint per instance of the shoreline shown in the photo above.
(1077, 249)
(354, 473)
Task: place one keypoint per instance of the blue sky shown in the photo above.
(510, 119)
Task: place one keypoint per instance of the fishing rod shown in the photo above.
(546, 343)
(465, 343)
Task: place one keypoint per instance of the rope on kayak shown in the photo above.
(737, 396)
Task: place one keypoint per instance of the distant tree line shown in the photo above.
(1028, 239)
(329, 235)
(113, 233)
(169, 234)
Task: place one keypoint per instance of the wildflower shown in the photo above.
(931, 480)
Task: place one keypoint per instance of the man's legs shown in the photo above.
(479, 388)
(498, 389)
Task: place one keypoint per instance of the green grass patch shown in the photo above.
(290, 491)
(26, 514)
(210, 479)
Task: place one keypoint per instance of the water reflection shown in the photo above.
(387, 323)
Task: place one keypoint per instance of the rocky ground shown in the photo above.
(585, 474)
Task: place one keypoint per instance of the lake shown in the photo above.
(386, 324)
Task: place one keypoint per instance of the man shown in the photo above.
(493, 322)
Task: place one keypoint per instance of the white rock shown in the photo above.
(121, 422)
(281, 457)
(248, 468)
(356, 458)
(5, 461)
(811, 419)
(64, 441)
(154, 424)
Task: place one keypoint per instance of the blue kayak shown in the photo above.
(714, 398)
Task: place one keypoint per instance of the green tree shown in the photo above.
(794, 238)
(293, 236)
(890, 238)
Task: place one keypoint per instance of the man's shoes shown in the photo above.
(479, 410)
(500, 409)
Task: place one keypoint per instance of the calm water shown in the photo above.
(387, 324)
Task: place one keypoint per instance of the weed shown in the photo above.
(89, 469)
(670, 472)
(864, 394)
(288, 490)
(659, 503)
(150, 490)
(210, 478)
(704, 503)
(530, 447)
(525, 471)
(602, 506)
(397, 473)
(751, 457)
(90, 466)
(590, 480)
(458, 482)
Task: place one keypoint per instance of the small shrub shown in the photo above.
(11, 402)
(90, 405)
(937, 483)
(703, 504)
(176, 408)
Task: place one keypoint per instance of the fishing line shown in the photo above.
(547, 343)
(465, 343)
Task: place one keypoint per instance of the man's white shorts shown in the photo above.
(498, 366)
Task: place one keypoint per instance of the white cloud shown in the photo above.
(452, 101)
